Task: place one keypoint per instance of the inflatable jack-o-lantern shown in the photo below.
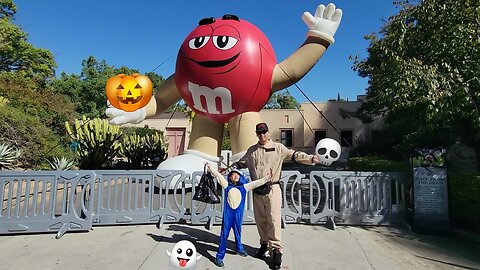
(129, 93)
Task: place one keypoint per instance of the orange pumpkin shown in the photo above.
(129, 93)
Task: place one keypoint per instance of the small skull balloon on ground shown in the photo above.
(184, 255)
(328, 150)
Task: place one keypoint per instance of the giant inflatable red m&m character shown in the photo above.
(224, 68)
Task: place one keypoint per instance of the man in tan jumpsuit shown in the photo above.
(267, 199)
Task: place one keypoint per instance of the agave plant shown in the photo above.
(61, 164)
(147, 150)
(97, 142)
(133, 149)
(156, 148)
(8, 156)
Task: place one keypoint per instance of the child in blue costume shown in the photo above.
(236, 189)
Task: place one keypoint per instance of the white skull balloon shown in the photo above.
(328, 150)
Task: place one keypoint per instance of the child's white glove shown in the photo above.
(325, 22)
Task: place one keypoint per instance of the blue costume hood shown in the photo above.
(242, 181)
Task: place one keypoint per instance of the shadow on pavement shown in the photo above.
(446, 249)
(204, 241)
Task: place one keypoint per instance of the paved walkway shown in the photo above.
(307, 247)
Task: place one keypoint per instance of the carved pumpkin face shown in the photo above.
(129, 93)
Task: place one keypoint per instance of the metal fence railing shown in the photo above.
(56, 201)
(34, 202)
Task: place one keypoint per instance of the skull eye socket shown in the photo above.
(333, 154)
(189, 252)
(322, 151)
(179, 251)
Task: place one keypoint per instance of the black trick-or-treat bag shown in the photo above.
(205, 191)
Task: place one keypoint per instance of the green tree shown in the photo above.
(36, 99)
(28, 133)
(282, 101)
(87, 90)
(340, 99)
(226, 142)
(7, 9)
(156, 79)
(424, 71)
(93, 100)
(178, 107)
(32, 117)
(16, 54)
(31, 113)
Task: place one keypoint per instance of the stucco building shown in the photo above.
(298, 129)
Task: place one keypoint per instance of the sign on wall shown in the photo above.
(430, 190)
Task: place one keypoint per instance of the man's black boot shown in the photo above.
(261, 251)
(277, 259)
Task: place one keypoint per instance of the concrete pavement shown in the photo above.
(307, 247)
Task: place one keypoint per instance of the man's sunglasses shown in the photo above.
(261, 132)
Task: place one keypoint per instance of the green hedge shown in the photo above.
(464, 200)
(463, 189)
(375, 164)
(28, 133)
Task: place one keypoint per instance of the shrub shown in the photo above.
(144, 147)
(8, 156)
(61, 164)
(28, 134)
(97, 142)
(375, 164)
(156, 148)
(464, 200)
(31, 119)
(37, 100)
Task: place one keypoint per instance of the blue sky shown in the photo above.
(143, 34)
